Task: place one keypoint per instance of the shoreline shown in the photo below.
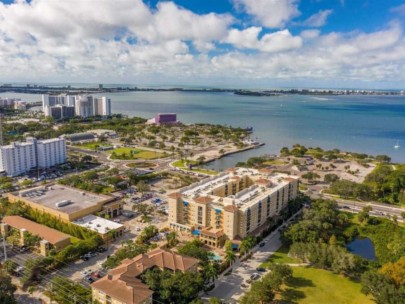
(234, 152)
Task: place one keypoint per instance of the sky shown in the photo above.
(217, 43)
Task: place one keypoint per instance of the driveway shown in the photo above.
(229, 287)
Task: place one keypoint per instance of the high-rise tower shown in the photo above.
(1, 128)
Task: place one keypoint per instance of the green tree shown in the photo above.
(9, 266)
(142, 187)
(382, 288)
(330, 178)
(171, 238)
(7, 289)
(247, 244)
(310, 176)
(65, 291)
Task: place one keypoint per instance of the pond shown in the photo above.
(363, 247)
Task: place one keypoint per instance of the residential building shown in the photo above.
(231, 205)
(61, 112)
(15, 103)
(50, 238)
(20, 157)
(60, 106)
(51, 152)
(122, 285)
(67, 203)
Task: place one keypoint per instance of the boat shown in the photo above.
(397, 146)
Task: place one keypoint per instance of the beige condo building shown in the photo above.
(231, 205)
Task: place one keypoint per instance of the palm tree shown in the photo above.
(246, 245)
(210, 272)
(230, 257)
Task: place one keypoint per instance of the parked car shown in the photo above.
(255, 276)
(260, 269)
(86, 273)
(101, 249)
(89, 279)
(262, 244)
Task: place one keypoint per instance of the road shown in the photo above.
(229, 287)
(380, 210)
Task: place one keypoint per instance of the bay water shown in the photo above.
(366, 124)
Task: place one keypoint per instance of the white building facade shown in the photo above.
(51, 152)
(20, 157)
(84, 105)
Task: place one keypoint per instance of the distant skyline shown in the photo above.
(218, 43)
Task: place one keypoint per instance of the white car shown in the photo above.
(85, 273)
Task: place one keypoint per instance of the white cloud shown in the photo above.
(247, 38)
(270, 13)
(310, 34)
(127, 41)
(272, 42)
(318, 19)
(398, 9)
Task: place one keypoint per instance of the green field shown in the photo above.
(280, 257)
(125, 153)
(92, 145)
(141, 165)
(312, 286)
(184, 166)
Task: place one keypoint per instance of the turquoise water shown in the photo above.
(363, 247)
(369, 124)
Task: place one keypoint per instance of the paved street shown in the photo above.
(380, 210)
(229, 287)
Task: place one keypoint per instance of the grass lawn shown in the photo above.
(275, 162)
(311, 286)
(280, 257)
(125, 153)
(141, 165)
(92, 145)
(182, 165)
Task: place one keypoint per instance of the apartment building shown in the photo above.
(82, 105)
(231, 205)
(122, 285)
(20, 157)
(15, 103)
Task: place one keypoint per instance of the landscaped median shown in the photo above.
(126, 153)
(185, 165)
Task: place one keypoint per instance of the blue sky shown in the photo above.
(240, 43)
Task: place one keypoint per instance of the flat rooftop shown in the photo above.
(97, 224)
(70, 200)
(264, 184)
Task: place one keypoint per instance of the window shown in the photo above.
(200, 215)
(259, 218)
(248, 215)
(268, 206)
